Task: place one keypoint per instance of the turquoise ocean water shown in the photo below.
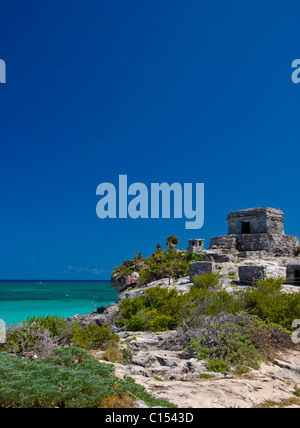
(22, 299)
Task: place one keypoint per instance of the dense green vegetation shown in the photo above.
(161, 308)
(157, 310)
(51, 373)
(41, 335)
(69, 379)
(237, 342)
(162, 264)
(262, 318)
(272, 305)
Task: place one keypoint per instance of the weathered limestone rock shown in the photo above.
(251, 274)
(200, 268)
(102, 316)
(180, 383)
(218, 258)
(121, 282)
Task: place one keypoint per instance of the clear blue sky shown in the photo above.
(185, 91)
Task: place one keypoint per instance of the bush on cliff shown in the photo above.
(162, 264)
(272, 305)
(157, 310)
(42, 335)
(161, 309)
(92, 336)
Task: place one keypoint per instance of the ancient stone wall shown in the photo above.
(251, 274)
(200, 268)
(275, 244)
(260, 220)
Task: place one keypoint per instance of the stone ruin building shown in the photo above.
(252, 232)
(196, 246)
(256, 229)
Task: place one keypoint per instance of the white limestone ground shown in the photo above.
(167, 375)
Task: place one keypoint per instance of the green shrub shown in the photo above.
(236, 342)
(112, 352)
(206, 376)
(145, 277)
(194, 257)
(207, 281)
(157, 310)
(230, 346)
(42, 335)
(71, 379)
(161, 309)
(218, 366)
(56, 325)
(271, 304)
(200, 302)
(19, 339)
(92, 336)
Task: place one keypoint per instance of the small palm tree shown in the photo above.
(172, 242)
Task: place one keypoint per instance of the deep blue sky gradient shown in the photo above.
(185, 91)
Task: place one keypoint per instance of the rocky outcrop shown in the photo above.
(184, 381)
(102, 316)
(121, 282)
(181, 284)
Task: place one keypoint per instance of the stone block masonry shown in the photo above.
(278, 245)
(200, 268)
(256, 229)
(251, 274)
(255, 220)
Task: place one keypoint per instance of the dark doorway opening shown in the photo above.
(246, 227)
(297, 276)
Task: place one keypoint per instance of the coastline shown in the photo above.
(22, 299)
(159, 362)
